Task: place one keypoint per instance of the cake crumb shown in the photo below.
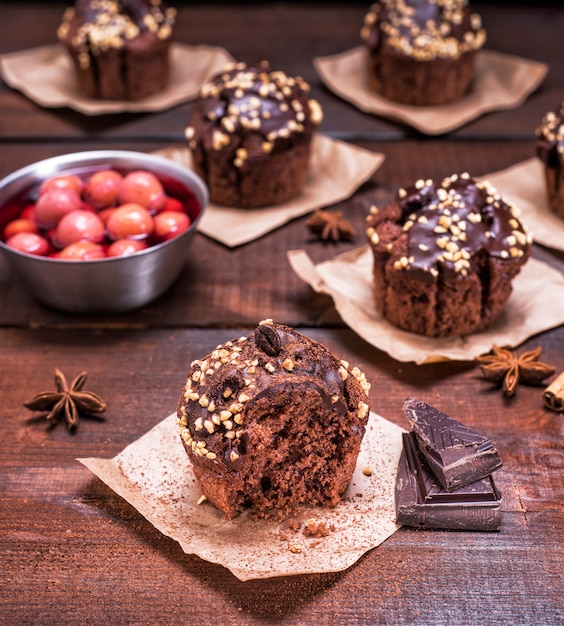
(367, 471)
(296, 548)
(316, 528)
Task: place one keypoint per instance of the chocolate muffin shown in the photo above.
(421, 52)
(550, 150)
(273, 421)
(250, 133)
(119, 49)
(445, 256)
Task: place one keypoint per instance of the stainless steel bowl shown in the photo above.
(103, 285)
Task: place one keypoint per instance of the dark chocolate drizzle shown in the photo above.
(256, 100)
(449, 224)
(423, 29)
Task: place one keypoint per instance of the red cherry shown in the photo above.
(130, 220)
(169, 224)
(173, 204)
(20, 225)
(104, 214)
(126, 247)
(82, 251)
(143, 188)
(192, 205)
(54, 203)
(65, 181)
(103, 188)
(79, 226)
(31, 243)
(28, 213)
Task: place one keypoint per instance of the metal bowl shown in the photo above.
(103, 285)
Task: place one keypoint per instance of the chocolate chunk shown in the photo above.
(422, 502)
(456, 453)
(267, 339)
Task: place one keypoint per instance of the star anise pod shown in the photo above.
(503, 366)
(68, 401)
(331, 226)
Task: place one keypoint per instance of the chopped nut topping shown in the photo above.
(259, 100)
(459, 227)
(288, 365)
(107, 27)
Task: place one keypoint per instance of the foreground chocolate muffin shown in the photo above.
(445, 255)
(550, 150)
(422, 52)
(273, 421)
(119, 49)
(250, 133)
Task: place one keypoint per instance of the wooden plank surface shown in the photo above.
(72, 551)
(254, 281)
(79, 546)
(531, 32)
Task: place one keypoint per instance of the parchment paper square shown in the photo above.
(336, 170)
(536, 304)
(155, 476)
(502, 81)
(46, 76)
(524, 185)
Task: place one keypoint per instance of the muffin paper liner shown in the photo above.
(233, 227)
(536, 304)
(155, 476)
(46, 76)
(501, 81)
(524, 186)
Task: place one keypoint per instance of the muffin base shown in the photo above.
(132, 73)
(408, 81)
(298, 451)
(554, 178)
(263, 180)
(453, 305)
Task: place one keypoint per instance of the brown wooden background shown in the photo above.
(72, 552)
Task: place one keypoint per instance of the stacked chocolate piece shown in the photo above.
(444, 475)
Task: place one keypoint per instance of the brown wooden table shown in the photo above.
(73, 552)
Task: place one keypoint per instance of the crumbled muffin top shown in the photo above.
(432, 227)
(219, 387)
(424, 29)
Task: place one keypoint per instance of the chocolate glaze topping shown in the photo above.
(550, 134)
(247, 101)
(223, 388)
(423, 29)
(442, 227)
(93, 26)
